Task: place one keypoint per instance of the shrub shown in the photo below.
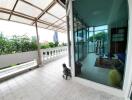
(51, 44)
(44, 46)
(56, 44)
(16, 44)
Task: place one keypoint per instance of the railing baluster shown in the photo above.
(53, 53)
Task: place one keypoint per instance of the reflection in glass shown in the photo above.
(100, 41)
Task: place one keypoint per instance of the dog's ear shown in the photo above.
(63, 64)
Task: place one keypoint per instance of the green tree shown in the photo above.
(3, 43)
(56, 44)
(17, 44)
(25, 43)
(33, 43)
(51, 44)
(98, 36)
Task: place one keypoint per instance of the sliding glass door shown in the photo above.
(100, 40)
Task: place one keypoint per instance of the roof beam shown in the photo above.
(61, 4)
(16, 14)
(45, 10)
(19, 14)
(55, 22)
(31, 5)
(55, 16)
(22, 15)
(13, 10)
(61, 28)
(40, 9)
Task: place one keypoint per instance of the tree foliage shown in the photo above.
(44, 46)
(98, 36)
(52, 45)
(22, 43)
(16, 44)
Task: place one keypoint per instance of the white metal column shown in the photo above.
(69, 14)
(39, 61)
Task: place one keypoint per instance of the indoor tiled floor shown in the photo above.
(46, 83)
(92, 72)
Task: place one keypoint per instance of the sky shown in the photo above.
(9, 29)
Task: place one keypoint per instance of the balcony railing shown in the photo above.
(53, 53)
(20, 62)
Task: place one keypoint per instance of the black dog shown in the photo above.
(66, 72)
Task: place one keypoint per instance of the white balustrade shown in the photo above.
(47, 55)
(51, 54)
(27, 60)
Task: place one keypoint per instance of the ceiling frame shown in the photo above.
(56, 22)
(61, 28)
(25, 16)
(31, 4)
(45, 10)
(34, 19)
(55, 16)
(13, 9)
(8, 11)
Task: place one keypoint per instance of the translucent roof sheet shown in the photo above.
(20, 19)
(48, 14)
(63, 24)
(8, 4)
(51, 27)
(59, 22)
(40, 3)
(57, 10)
(42, 25)
(27, 9)
(60, 30)
(4, 15)
(49, 18)
(65, 27)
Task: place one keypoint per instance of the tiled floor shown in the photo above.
(93, 73)
(46, 83)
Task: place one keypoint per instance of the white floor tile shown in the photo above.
(46, 83)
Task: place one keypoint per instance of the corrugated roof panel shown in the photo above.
(8, 4)
(57, 10)
(48, 18)
(4, 15)
(58, 22)
(20, 19)
(42, 25)
(40, 3)
(27, 9)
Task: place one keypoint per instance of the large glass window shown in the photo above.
(91, 41)
(100, 34)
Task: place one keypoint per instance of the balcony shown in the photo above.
(46, 83)
(27, 60)
(37, 75)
